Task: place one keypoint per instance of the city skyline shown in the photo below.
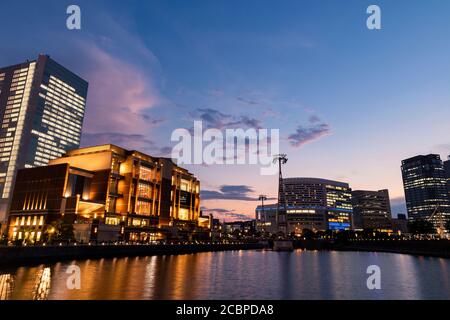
(317, 73)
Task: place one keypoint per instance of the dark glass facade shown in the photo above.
(371, 209)
(425, 185)
(447, 175)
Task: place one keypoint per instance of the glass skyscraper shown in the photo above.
(42, 108)
(447, 175)
(425, 185)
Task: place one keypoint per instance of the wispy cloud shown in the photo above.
(216, 119)
(130, 141)
(248, 101)
(230, 192)
(119, 93)
(305, 134)
(225, 214)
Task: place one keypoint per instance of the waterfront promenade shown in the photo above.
(430, 248)
(39, 254)
(52, 253)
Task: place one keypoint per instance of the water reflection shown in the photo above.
(235, 275)
(42, 285)
(6, 286)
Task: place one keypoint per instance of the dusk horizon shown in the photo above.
(316, 73)
(224, 159)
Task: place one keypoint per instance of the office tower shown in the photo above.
(425, 187)
(371, 210)
(317, 204)
(447, 174)
(41, 108)
(108, 194)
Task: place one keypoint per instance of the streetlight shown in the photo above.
(262, 197)
(280, 159)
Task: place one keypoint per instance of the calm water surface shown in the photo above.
(235, 275)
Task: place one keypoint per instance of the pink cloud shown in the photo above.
(118, 94)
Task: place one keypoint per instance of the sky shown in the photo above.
(350, 103)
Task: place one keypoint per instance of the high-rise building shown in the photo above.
(447, 174)
(42, 109)
(425, 187)
(108, 194)
(372, 210)
(317, 204)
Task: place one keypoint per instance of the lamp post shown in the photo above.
(281, 159)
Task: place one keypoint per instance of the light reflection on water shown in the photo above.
(235, 275)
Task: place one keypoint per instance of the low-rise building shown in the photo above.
(400, 224)
(309, 203)
(106, 193)
(266, 218)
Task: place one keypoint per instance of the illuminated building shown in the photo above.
(42, 109)
(108, 194)
(312, 203)
(425, 187)
(317, 204)
(372, 210)
(266, 218)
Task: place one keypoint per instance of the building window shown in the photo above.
(184, 185)
(143, 207)
(183, 214)
(145, 173)
(144, 190)
(112, 221)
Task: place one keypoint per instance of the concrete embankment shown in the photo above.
(41, 254)
(432, 248)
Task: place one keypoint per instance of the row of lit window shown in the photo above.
(30, 236)
(29, 221)
(69, 114)
(62, 106)
(57, 119)
(55, 92)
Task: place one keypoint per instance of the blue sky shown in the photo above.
(355, 102)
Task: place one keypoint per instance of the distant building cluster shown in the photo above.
(319, 204)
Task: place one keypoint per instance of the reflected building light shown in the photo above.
(42, 286)
(6, 286)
